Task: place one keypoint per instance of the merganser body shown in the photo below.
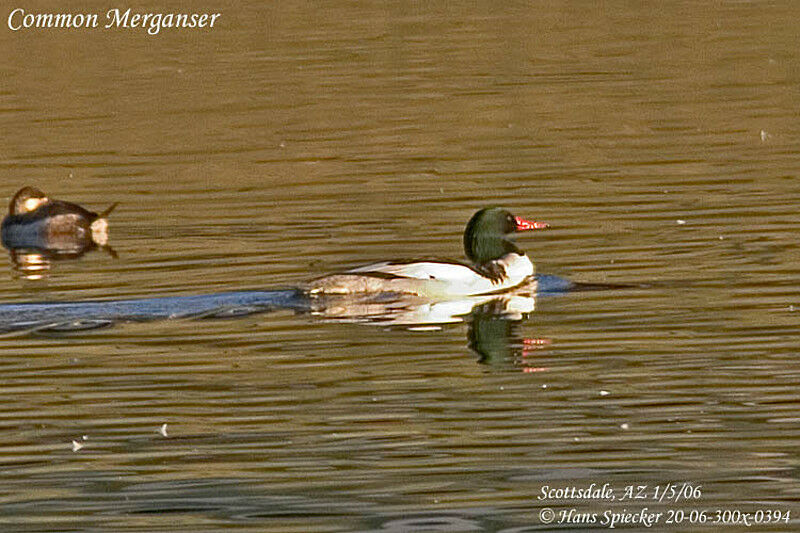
(496, 265)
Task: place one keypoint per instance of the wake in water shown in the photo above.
(78, 316)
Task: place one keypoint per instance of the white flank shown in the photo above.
(455, 279)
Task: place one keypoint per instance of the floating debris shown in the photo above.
(76, 445)
(625, 425)
(764, 136)
(604, 393)
(163, 430)
(681, 222)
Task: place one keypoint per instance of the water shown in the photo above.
(658, 141)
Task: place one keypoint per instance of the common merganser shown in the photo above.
(38, 222)
(496, 265)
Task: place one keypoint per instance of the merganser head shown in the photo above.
(486, 237)
(26, 200)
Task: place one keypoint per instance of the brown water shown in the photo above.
(296, 139)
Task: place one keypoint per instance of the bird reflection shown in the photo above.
(495, 338)
(30, 264)
(493, 320)
(35, 264)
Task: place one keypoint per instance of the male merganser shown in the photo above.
(35, 221)
(496, 265)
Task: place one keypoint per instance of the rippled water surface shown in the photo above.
(659, 140)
